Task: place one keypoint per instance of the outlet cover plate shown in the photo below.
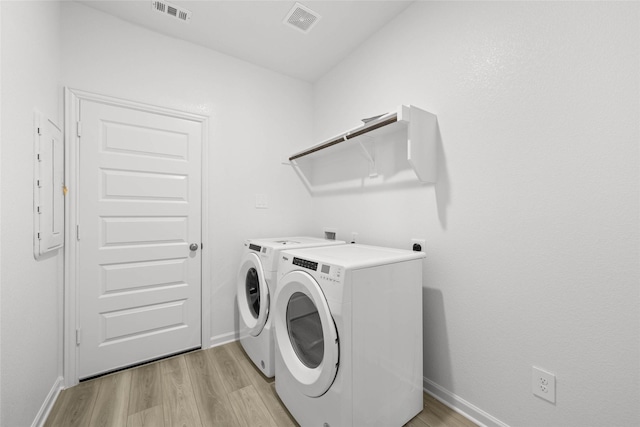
(262, 201)
(543, 384)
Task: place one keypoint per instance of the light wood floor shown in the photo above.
(214, 387)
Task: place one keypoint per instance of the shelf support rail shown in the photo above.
(385, 120)
(322, 146)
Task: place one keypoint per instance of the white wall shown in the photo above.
(532, 229)
(1, 139)
(31, 358)
(256, 116)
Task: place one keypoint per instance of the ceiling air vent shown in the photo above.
(301, 18)
(172, 10)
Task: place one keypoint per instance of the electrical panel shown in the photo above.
(48, 189)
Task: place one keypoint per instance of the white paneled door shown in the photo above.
(139, 236)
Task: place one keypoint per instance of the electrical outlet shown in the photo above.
(262, 201)
(418, 245)
(543, 384)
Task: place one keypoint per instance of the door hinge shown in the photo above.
(78, 232)
(79, 128)
(78, 336)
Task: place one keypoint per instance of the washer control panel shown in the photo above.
(255, 247)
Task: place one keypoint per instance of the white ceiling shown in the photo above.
(254, 30)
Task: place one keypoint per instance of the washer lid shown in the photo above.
(293, 242)
(253, 294)
(306, 334)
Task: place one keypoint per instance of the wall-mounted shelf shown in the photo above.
(421, 135)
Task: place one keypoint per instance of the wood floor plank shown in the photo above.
(437, 414)
(253, 373)
(146, 388)
(211, 398)
(58, 407)
(76, 404)
(178, 400)
(215, 387)
(152, 417)
(112, 403)
(438, 407)
(416, 422)
(275, 406)
(250, 409)
(264, 386)
(54, 410)
(233, 377)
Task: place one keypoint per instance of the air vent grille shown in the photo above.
(301, 18)
(172, 10)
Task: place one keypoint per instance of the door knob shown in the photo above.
(193, 247)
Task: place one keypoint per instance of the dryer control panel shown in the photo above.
(323, 272)
(327, 272)
(331, 273)
(311, 265)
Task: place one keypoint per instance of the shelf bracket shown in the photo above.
(368, 149)
(301, 175)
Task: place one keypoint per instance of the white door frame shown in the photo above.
(71, 311)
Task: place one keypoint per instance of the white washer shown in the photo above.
(348, 327)
(256, 285)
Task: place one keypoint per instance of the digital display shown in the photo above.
(306, 264)
(254, 247)
(325, 269)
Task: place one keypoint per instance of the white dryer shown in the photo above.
(256, 285)
(348, 327)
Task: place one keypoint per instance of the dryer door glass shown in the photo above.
(305, 330)
(252, 288)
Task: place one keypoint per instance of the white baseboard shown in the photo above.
(223, 339)
(48, 403)
(461, 406)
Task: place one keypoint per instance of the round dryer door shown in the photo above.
(253, 294)
(305, 332)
